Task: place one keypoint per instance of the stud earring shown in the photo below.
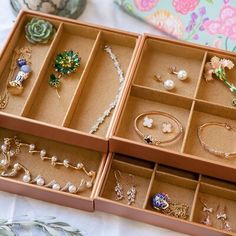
(118, 188)
(206, 220)
(168, 84)
(221, 215)
(181, 74)
(147, 122)
(131, 193)
(167, 127)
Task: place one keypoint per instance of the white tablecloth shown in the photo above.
(103, 12)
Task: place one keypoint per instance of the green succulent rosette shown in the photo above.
(67, 62)
(39, 31)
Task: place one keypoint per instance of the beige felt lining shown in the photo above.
(142, 177)
(180, 190)
(217, 137)
(159, 56)
(46, 105)
(102, 83)
(62, 175)
(143, 100)
(216, 197)
(18, 40)
(216, 91)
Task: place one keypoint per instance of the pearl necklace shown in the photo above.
(12, 146)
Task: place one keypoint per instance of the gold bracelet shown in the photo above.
(149, 139)
(211, 149)
(13, 146)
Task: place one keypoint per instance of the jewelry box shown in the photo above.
(193, 103)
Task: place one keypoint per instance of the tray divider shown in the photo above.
(150, 187)
(82, 81)
(188, 127)
(200, 74)
(195, 200)
(44, 66)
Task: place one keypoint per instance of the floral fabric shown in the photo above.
(207, 22)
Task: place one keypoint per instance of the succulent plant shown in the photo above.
(39, 31)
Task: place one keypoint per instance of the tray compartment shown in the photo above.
(156, 58)
(143, 100)
(44, 104)
(18, 40)
(101, 84)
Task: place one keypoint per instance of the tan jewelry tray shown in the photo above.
(61, 126)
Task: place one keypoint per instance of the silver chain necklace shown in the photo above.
(113, 104)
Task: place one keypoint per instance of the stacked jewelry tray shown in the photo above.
(61, 125)
(192, 103)
(84, 95)
(45, 179)
(186, 188)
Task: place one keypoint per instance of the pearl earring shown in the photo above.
(181, 74)
(168, 84)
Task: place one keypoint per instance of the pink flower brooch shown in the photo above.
(216, 69)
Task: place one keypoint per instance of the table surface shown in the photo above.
(97, 223)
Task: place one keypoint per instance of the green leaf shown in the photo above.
(65, 228)
(6, 231)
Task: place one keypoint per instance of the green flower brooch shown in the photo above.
(66, 63)
(39, 31)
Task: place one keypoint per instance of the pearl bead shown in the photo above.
(182, 75)
(72, 188)
(89, 184)
(80, 165)
(54, 158)
(3, 162)
(17, 166)
(31, 147)
(169, 84)
(56, 186)
(25, 69)
(26, 178)
(43, 153)
(40, 181)
(66, 163)
(4, 148)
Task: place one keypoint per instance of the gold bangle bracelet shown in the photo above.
(149, 139)
(211, 149)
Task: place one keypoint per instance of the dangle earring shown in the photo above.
(221, 215)
(131, 193)
(206, 220)
(118, 188)
(168, 84)
(181, 74)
